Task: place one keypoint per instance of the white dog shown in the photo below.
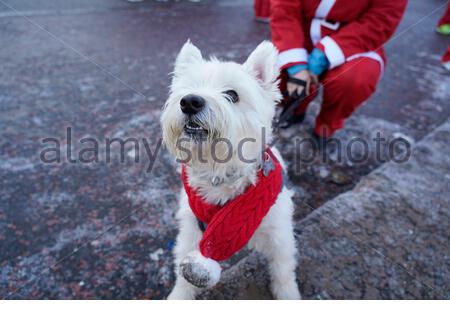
(213, 101)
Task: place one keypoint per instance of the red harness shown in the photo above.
(232, 225)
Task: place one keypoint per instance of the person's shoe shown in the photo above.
(444, 29)
(262, 19)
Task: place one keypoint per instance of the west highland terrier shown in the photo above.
(217, 121)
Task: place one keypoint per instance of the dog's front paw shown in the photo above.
(200, 271)
(181, 294)
(286, 291)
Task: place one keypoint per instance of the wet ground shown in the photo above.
(106, 230)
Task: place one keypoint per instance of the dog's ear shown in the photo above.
(262, 63)
(188, 54)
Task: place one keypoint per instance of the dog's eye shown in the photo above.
(231, 95)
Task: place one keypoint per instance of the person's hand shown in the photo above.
(304, 75)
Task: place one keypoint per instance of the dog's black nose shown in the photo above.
(192, 104)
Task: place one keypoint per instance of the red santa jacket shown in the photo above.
(343, 29)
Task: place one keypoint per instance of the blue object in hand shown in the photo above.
(318, 62)
(292, 70)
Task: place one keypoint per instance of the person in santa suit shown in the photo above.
(446, 59)
(443, 28)
(340, 44)
(262, 10)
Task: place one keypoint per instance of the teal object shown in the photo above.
(292, 70)
(318, 62)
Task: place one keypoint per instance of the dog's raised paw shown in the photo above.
(200, 271)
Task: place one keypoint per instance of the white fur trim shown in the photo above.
(315, 31)
(322, 12)
(292, 55)
(446, 65)
(333, 52)
(372, 55)
(324, 8)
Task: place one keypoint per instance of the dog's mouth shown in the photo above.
(194, 130)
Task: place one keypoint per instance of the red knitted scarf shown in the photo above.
(232, 225)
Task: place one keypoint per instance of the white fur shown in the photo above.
(255, 83)
(208, 266)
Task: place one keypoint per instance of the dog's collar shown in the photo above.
(230, 227)
(266, 166)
